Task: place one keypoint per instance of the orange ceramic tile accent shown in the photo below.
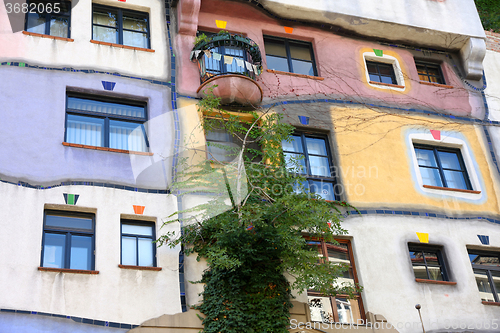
(47, 36)
(139, 209)
(142, 268)
(436, 84)
(67, 270)
(436, 282)
(121, 46)
(295, 74)
(75, 145)
(288, 30)
(451, 189)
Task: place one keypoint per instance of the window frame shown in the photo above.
(308, 175)
(288, 53)
(437, 66)
(68, 232)
(48, 17)
(119, 28)
(323, 250)
(377, 64)
(152, 237)
(107, 117)
(419, 247)
(488, 269)
(435, 149)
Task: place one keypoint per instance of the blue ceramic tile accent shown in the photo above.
(485, 240)
(304, 120)
(111, 85)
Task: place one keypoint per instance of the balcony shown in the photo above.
(229, 64)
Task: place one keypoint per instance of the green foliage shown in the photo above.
(201, 38)
(252, 231)
(489, 12)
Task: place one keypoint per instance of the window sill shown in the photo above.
(451, 189)
(436, 84)
(34, 34)
(491, 303)
(386, 85)
(75, 145)
(67, 270)
(121, 46)
(141, 268)
(449, 283)
(297, 75)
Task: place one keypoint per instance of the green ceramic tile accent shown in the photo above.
(71, 199)
(21, 64)
(8, 64)
(378, 53)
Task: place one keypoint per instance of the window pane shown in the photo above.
(430, 177)
(455, 179)
(105, 107)
(301, 52)
(81, 252)
(324, 189)
(68, 222)
(487, 260)
(234, 51)
(319, 166)
(53, 250)
(105, 18)
(295, 163)
(134, 23)
(140, 230)
(449, 160)
(495, 275)
(145, 252)
(302, 67)
(85, 130)
(102, 34)
(321, 309)
(36, 23)
(386, 70)
(136, 39)
(375, 78)
(421, 69)
(59, 26)
(344, 310)
(372, 68)
(295, 145)
(275, 47)
(417, 261)
(129, 251)
(279, 64)
(127, 136)
(316, 146)
(219, 134)
(484, 286)
(388, 80)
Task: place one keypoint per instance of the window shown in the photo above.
(49, 18)
(427, 262)
(137, 244)
(312, 154)
(429, 72)
(442, 167)
(289, 56)
(106, 123)
(381, 72)
(486, 267)
(120, 26)
(340, 309)
(225, 147)
(216, 65)
(68, 240)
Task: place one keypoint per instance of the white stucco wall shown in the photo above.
(115, 294)
(380, 246)
(82, 53)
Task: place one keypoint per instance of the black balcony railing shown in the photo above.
(225, 53)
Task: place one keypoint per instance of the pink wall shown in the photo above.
(339, 61)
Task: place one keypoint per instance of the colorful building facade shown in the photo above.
(393, 114)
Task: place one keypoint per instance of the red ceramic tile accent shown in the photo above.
(142, 268)
(387, 84)
(436, 282)
(47, 36)
(436, 134)
(491, 303)
(295, 74)
(107, 149)
(67, 270)
(436, 84)
(451, 189)
(121, 46)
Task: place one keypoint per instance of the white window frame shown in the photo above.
(387, 59)
(449, 142)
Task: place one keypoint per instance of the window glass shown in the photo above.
(431, 177)
(427, 264)
(48, 22)
(320, 166)
(129, 251)
(68, 222)
(321, 309)
(455, 179)
(301, 52)
(105, 18)
(483, 284)
(486, 268)
(134, 23)
(426, 157)
(139, 230)
(36, 23)
(81, 247)
(275, 63)
(126, 135)
(53, 251)
(275, 47)
(295, 145)
(486, 260)
(289, 56)
(449, 160)
(85, 130)
(59, 26)
(324, 189)
(145, 252)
